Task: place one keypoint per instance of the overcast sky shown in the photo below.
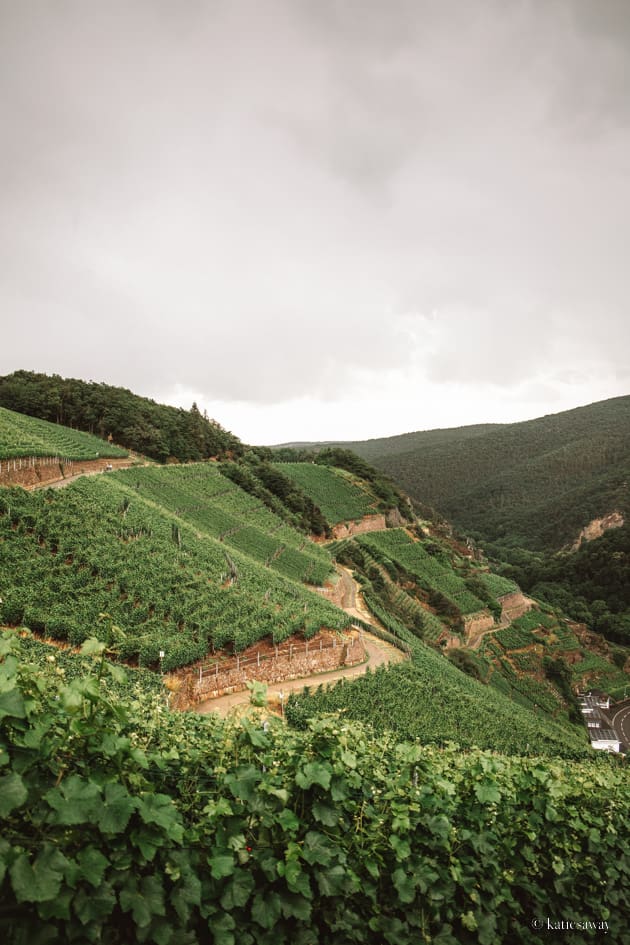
(320, 219)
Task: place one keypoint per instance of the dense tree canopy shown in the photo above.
(591, 584)
(533, 484)
(137, 423)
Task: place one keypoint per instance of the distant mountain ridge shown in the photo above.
(400, 442)
(535, 483)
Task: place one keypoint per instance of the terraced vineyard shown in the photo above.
(432, 626)
(431, 700)
(200, 495)
(27, 436)
(333, 490)
(529, 692)
(102, 546)
(515, 659)
(498, 585)
(431, 573)
(426, 624)
(515, 636)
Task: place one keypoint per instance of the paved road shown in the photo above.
(620, 722)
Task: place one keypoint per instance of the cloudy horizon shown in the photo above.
(320, 220)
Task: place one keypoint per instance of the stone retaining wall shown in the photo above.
(369, 523)
(40, 471)
(514, 605)
(477, 623)
(349, 652)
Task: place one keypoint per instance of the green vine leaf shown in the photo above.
(13, 793)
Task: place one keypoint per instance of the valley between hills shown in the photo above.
(426, 784)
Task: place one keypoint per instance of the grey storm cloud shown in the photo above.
(261, 201)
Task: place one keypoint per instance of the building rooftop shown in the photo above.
(603, 735)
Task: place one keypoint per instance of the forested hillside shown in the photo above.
(401, 443)
(135, 422)
(592, 583)
(534, 484)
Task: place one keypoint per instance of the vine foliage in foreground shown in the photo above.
(178, 829)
